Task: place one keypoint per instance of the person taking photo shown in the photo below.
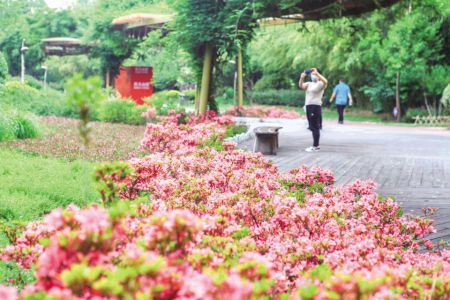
(314, 92)
(343, 97)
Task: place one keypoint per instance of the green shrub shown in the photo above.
(122, 111)
(33, 82)
(45, 102)
(16, 124)
(6, 126)
(273, 82)
(165, 101)
(412, 113)
(446, 97)
(229, 92)
(279, 97)
(26, 125)
(189, 95)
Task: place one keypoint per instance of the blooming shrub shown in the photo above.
(196, 223)
(263, 112)
(180, 130)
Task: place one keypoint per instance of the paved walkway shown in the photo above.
(410, 164)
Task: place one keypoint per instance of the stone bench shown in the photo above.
(266, 140)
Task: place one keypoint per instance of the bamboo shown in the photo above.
(240, 79)
(206, 74)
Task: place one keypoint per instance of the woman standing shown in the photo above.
(314, 92)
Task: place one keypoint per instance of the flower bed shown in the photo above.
(197, 223)
(263, 112)
(62, 140)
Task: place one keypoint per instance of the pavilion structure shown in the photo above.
(138, 25)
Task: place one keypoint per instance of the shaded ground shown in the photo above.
(410, 164)
(61, 139)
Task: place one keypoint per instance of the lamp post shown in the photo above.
(45, 76)
(23, 49)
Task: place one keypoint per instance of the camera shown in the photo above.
(308, 72)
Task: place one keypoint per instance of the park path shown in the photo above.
(411, 164)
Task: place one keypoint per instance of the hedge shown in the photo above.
(279, 97)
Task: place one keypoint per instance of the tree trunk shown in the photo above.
(108, 78)
(235, 89)
(197, 97)
(240, 79)
(426, 104)
(206, 75)
(397, 97)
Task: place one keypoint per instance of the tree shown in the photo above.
(39, 24)
(3, 68)
(213, 32)
(368, 51)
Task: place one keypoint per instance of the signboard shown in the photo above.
(135, 83)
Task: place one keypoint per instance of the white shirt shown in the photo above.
(314, 92)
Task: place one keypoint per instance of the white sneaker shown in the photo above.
(312, 149)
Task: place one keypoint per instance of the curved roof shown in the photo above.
(140, 24)
(141, 19)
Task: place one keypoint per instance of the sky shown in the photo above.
(59, 3)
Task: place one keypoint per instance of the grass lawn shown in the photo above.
(356, 115)
(32, 185)
(38, 175)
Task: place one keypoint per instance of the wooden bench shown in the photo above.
(266, 140)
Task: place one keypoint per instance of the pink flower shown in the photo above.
(8, 293)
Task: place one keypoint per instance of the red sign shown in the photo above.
(135, 83)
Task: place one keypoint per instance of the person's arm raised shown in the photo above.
(301, 83)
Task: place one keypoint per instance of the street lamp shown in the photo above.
(45, 76)
(23, 49)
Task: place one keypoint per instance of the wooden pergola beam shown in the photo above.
(64, 46)
(314, 10)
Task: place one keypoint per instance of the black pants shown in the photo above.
(314, 115)
(340, 109)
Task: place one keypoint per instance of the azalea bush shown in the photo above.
(263, 112)
(187, 221)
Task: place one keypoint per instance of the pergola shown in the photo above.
(138, 25)
(64, 46)
(310, 10)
